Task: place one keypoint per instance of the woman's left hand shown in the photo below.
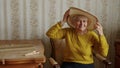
(99, 28)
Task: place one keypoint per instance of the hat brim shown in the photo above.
(75, 11)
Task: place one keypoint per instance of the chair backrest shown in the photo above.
(57, 49)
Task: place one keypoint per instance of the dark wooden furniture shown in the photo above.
(19, 54)
(57, 52)
(117, 53)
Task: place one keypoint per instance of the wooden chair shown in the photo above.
(57, 50)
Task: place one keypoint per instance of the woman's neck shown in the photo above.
(81, 32)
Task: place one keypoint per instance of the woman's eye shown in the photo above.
(84, 21)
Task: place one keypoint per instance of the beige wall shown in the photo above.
(30, 19)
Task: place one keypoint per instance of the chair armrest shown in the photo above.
(103, 59)
(54, 63)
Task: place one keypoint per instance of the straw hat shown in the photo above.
(91, 18)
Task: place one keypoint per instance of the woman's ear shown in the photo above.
(88, 22)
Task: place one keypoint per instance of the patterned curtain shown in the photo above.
(30, 19)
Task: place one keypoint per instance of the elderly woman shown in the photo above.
(80, 38)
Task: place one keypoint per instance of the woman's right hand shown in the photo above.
(65, 17)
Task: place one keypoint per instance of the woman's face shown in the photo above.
(81, 24)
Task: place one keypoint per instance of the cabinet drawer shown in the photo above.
(33, 65)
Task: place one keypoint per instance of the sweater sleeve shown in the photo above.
(101, 45)
(56, 32)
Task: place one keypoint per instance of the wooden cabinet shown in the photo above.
(117, 53)
(21, 54)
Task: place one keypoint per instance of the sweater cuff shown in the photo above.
(59, 24)
(102, 36)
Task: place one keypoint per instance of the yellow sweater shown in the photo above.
(79, 47)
